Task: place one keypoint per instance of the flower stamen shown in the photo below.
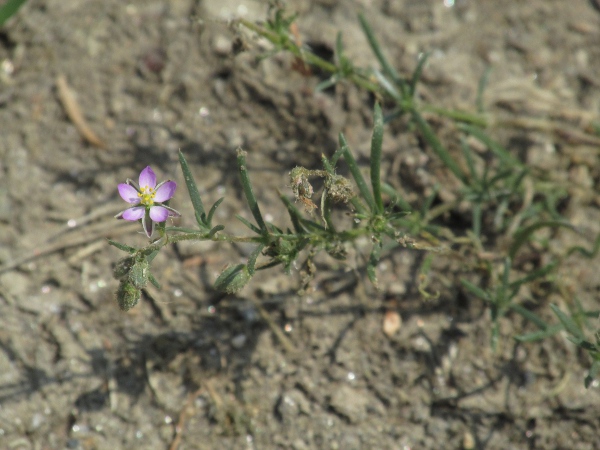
(146, 196)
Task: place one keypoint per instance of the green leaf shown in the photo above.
(192, 190)
(248, 224)
(9, 9)
(388, 87)
(386, 66)
(295, 215)
(529, 315)
(396, 198)
(125, 248)
(152, 280)
(592, 374)
(326, 84)
(249, 192)
(522, 235)
(477, 291)
(538, 273)
(417, 73)
(211, 213)
(357, 175)
(215, 230)
(585, 252)
(494, 147)
(376, 148)
(372, 264)
(568, 323)
(587, 345)
(539, 335)
(481, 87)
(437, 146)
(253, 257)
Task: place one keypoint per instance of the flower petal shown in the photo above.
(158, 213)
(165, 191)
(133, 214)
(128, 193)
(148, 225)
(147, 178)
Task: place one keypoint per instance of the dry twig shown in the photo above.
(67, 98)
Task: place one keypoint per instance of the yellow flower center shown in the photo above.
(146, 196)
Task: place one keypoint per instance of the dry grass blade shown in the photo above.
(67, 98)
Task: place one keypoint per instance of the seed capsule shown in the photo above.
(127, 295)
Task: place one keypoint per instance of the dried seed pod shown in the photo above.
(338, 188)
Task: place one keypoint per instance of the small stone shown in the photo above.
(468, 441)
(350, 403)
(391, 323)
(239, 341)
(221, 45)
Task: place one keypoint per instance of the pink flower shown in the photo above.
(147, 200)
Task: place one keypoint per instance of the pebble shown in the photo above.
(350, 403)
(221, 45)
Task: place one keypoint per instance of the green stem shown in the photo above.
(308, 57)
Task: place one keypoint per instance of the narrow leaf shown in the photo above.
(592, 374)
(494, 147)
(214, 231)
(211, 213)
(477, 291)
(417, 73)
(387, 67)
(295, 215)
(355, 171)
(437, 146)
(154, 281)
(568, 323)
(192, 190)
(523, 234)
(376, 149)
(372, 264)
(249, 192)
(253, 257)
(481, 88)
(125, 248)
(529, 315)
(248, 224)
(539, 335)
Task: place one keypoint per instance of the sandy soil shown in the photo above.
(269, 368)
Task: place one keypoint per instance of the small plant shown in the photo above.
(503, 197)
(274, 245)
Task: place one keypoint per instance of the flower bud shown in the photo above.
(127, 295)
(233, 279)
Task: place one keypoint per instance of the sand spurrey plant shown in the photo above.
(274, 245)
(504, 198)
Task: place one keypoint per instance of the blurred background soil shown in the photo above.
(191, 368)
